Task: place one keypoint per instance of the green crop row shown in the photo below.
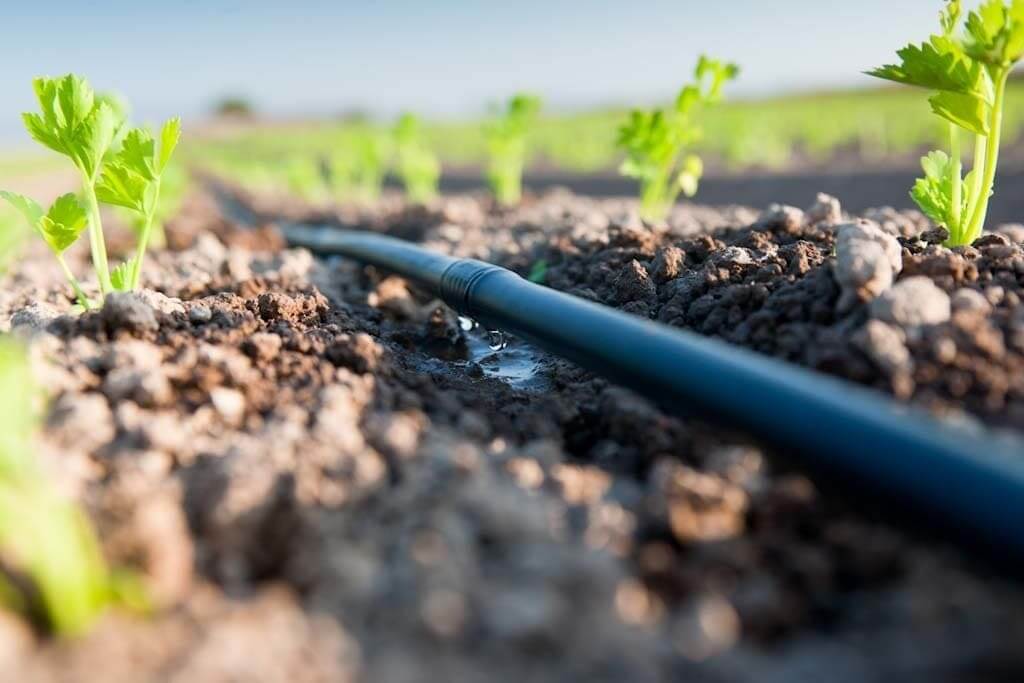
(874, 125)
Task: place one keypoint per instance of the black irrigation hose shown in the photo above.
(969, 484)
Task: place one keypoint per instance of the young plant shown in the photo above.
(418, 166)
(506, 138)
(357, 168)
(131, 179)
(118, 166)
(967, 72)
(655, 140)
(304, 177)
(82, 127)
(51, 567)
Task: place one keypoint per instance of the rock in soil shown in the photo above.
(318, 482)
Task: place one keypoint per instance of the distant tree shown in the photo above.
(235, 106)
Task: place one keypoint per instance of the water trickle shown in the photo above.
(496, 340)
(467, 324)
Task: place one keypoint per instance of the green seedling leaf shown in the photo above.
(995, 32)
(63, 223)
(60, 227)
(121, 276)
(73, 121)
(933, 193)
(966, 111)
(94, 138)
(121, 186)
(170, 134)
(25, 206)
(937, 67)
(712, 75)
(119, 106)
(138, 153)
(949, 17)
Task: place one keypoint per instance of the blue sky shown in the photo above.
(440, 57)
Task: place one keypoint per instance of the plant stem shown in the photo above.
(977, 218)
(79, 294)
(140, 250)
(956, 180)
(96, 242)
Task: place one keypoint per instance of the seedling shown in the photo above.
(131, 179)
(305, 178)
(118, 166)
(357, 168)
(968, 72)
(418, 166)
(45, 540)
(655, 140)
(506, 138)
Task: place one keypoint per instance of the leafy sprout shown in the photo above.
(655, 140)
(119, 166)
(51, 567)
(358, 165)
(131, 179)
(967, 71)
(506, 137)
(418, 166)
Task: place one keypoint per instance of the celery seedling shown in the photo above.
(131, 179)
(968, 72)
(82, 127)
(119, 166)
(59, 227)
(357, 168)
(654, 140)
(506, 145)
(43, 537)
(418, 166)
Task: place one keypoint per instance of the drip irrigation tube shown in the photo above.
(969, 484)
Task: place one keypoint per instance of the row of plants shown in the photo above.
(872, 125)
(351, 163)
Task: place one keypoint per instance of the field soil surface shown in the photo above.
(323, 474)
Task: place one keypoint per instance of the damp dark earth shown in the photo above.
(323, 473)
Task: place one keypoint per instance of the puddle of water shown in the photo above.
(502, 357)
(516, 363)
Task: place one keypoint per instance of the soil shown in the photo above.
(322, 477)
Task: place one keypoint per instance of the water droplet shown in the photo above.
(467, 324)
(496, 340)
